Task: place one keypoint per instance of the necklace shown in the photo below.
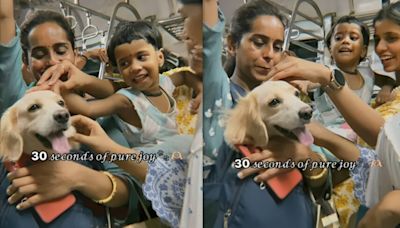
(152, 94)
(353, 72)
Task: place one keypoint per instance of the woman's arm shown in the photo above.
(385, 214)
(7, 22)
(53, 179)
(91, 134)
(339, 146)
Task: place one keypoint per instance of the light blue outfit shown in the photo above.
(329, 115)
(218, 97)
(156, 125)
(165, 180)
(12, 85)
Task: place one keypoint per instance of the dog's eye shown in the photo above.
(274, 102)
(33, 108)
(297, 94)
(61, 103)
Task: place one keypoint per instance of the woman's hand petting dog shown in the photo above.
(90, 132)
(42, 182)
(279, 149)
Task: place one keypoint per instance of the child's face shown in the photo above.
(347, 45)
(139, 63)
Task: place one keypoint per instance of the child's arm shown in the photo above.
(339, 146)
(78, 80)
(96, 108)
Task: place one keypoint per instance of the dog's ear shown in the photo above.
(11, 143)
(244, 124)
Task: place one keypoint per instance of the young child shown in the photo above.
(146, 110)
(347, 42)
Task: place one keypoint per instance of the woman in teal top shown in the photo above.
(47, 40)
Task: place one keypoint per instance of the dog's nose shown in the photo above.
(305, 113)
(61, 116)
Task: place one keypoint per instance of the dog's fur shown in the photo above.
(34, 114)
(257, 115)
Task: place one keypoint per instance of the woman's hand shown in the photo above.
(90, 132)
(293, 68)
(385, 214)
(42, 182)
(279, 149)
(68, 73)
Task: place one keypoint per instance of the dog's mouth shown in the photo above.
(300, 134)
(56, 141)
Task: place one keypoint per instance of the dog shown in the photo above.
(39, 121)
(272, 108)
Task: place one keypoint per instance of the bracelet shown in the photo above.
(319, 175)
(114, 189)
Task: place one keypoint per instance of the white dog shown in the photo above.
(39, 121)
(273, 108)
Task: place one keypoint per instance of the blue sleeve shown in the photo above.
(166, 177)
(360, 173)
(218, 97)
(12, 85)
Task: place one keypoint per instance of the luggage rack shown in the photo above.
(174, 26)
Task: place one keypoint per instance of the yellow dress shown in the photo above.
(183, 95)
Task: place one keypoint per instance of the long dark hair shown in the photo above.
(390, 12)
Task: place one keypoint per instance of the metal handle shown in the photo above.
(110, 26)
(286, 42)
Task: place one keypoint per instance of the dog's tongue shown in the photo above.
(304, 136)
(60, 143)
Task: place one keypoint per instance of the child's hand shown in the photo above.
(384, 95)
(195, 103)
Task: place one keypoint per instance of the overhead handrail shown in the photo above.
(296, 12)
(85, 9)
(73, 22)
(111, 25)
(86, 28)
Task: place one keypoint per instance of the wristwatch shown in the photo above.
(337, 81)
